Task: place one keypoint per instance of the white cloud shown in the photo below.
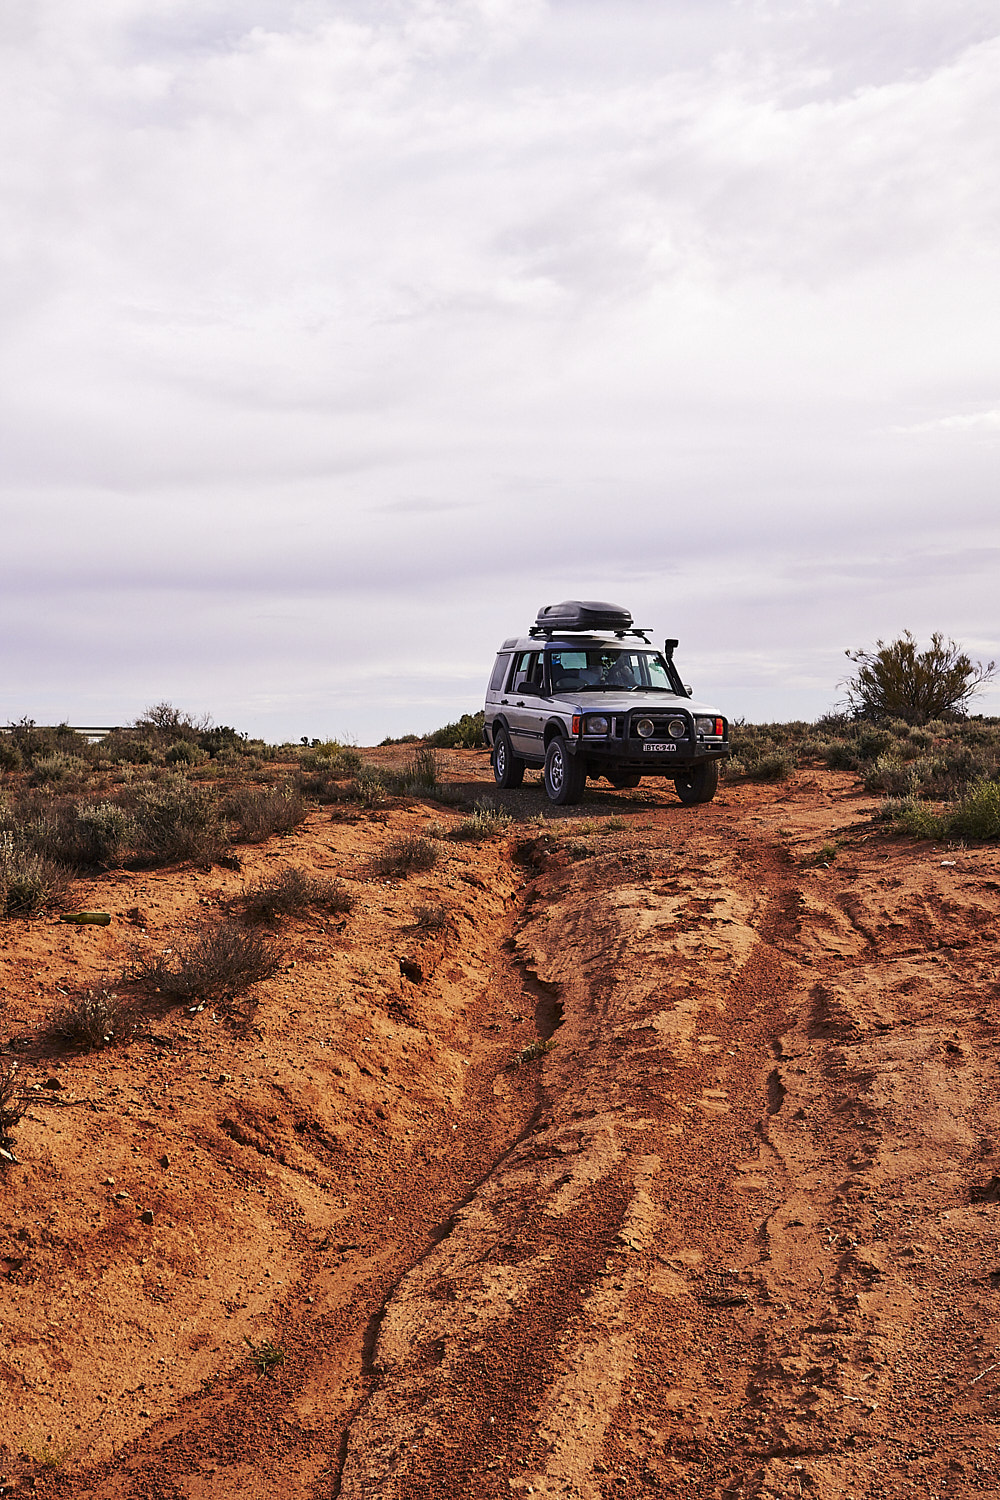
(395, 309)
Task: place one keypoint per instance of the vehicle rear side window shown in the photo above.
(499, 673)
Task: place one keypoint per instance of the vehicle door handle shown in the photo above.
(504, 703)
(519, 703)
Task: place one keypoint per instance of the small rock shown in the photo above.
(225, 1078)
(53, 1083)
(164, 1161)
(147, 1216)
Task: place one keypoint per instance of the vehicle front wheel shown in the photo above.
(508, 768)
(565, 774)
(699, 784)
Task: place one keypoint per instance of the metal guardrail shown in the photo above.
(92, 732)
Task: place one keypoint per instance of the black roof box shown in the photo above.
(582, 614)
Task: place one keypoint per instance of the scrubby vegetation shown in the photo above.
(401, 856)
(98, 1018)
(896, 681)
(219, 964)
(290, 892)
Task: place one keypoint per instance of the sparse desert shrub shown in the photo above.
(896, 681)
(107, 833)
(977, 815)
(401, 856)
(96, 1018)
(28, 881)
(465, 733)
(220, 963)
(420, 772)
(13, 1103)
(291, 891)
(888, 774)
(532, 1052)
(485, 821)
(176, 821)
(430, 918)
(124, 745)
(331, 759)
(369, 787)
(450, 795)
(58, 769)
(185, 753)
(266, 1356)
(11, 758)
(260, 813)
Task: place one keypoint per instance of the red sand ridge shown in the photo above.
(662, 1162)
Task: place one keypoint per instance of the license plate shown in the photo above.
(658, 746)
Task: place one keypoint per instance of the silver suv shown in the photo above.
(586, 694)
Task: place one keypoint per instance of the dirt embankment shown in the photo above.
(732, 1232)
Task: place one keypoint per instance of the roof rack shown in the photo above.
(548, 631)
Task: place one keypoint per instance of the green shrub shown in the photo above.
(420, 773)
(896, 681)
(465, 733)
(107, 833)
(977, 815)
(176, 821)
(11, 758)
(369, 787)
(52, 769)
(485, 822)
(889, 775)
(405, 854)
(185, 753)
(122, 745)
(335, 761)
(290, 891)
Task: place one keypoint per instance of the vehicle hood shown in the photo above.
(619, 703)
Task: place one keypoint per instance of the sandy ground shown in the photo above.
(731, 1233)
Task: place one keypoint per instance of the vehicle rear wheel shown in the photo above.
(565, 774)
(699, 784)
(508, 768)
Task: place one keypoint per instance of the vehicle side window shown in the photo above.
(526, 665)
(499, 673)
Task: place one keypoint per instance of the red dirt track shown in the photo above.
(732, 1234)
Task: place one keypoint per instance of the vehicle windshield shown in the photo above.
(607, 669)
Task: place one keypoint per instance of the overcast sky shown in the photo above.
(336, 338)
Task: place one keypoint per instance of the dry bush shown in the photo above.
(97, 1018)
(430, 918)
(13, 1102)
(220, 963)
(401, 856)
(291, 891)
(485, 821)
(258, 813)
(28, 881)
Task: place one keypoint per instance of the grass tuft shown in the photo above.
(401, 856)
(291, 891)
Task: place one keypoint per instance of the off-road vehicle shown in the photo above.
(586, 694)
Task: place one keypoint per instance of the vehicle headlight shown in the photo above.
(677, 729)
(709, 726)
(644, 727)
(596, 724)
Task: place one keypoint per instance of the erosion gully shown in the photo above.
(731, 1232)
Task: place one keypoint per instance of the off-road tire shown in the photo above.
(565, 775)
(508, 768)
(699, 784)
